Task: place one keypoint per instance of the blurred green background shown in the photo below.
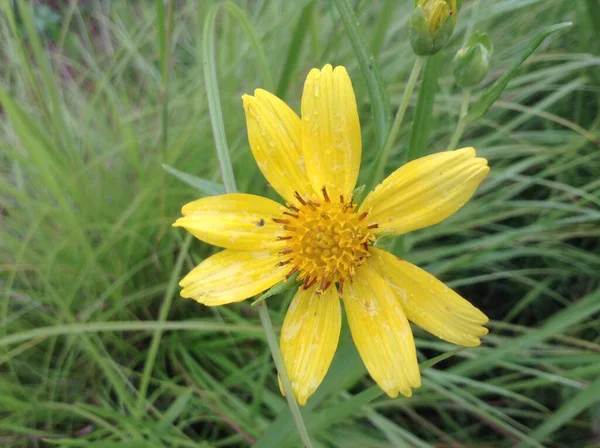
(96, 347)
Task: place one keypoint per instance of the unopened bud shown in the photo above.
(472, 62)
(431, 25)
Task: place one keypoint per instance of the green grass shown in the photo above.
(97, 348)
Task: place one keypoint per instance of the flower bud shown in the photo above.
(431, 25)
(472, 62)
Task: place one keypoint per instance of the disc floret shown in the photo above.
(326, 240)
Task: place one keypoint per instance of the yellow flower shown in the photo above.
(313, 164)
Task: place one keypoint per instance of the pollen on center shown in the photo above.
(326, 240)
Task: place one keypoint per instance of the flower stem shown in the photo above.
(460, 127)
(383, 155)
(218, 127)
(265, 319)
(464, 107)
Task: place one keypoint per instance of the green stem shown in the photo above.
(423, 114)
(384, 153)
(265, 319)
(464, 107)
(218, 126)
(460, 127)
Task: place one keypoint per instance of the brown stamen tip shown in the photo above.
(293, 215)
(366, 246)
(297, 196)
(362, 216)
(340, 287)
(281, 221)
(283, 238)
(312, 205)
(291, 207)
(309, 284)
(289, 228)
(341, 198)
(283, 263)
(324, 285)
(286, 251)
(325, 195)
(372, 226)
(292, 272)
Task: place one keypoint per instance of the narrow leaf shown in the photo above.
(206, 187)
(214, 101)
(567, 412)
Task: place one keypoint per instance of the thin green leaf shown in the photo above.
(558, 323)
(214, 102)
(569, 410)
(113, 326)
(206, 187)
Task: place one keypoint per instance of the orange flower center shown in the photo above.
(326, 240)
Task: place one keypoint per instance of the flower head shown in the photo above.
(472, 62)
(431, 25)
(324, 237)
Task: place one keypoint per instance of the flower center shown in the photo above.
(326, 241)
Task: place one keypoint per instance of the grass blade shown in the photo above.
(214, 102)
(206, 187)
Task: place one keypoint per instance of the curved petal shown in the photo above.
(425, 191)
(429, 303)
(331, 140)
(274, 132)
(234, 221)
(309, 338)
(232, 276)
(381, 333)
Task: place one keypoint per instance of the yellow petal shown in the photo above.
(309, 338)
(274, 132)
(381, 333)
(232, 276)
(425, 191)
(234, 221)
(428, 302)
(331, 140)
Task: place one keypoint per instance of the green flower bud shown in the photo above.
(431, 25)
(472, 62)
